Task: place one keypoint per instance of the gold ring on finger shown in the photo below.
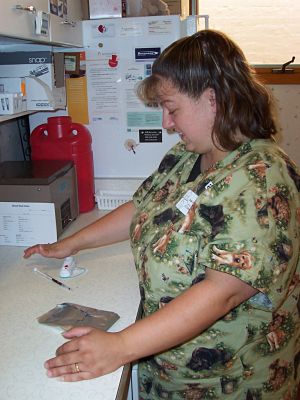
(77, 369)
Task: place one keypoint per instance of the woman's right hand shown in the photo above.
(59, 249)
(110, 228)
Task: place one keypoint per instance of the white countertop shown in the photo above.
(110, 284)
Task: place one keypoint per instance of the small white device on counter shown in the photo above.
(69, 269)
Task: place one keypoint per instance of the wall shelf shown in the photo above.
(13, 116)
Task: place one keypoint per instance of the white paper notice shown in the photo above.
(25, 224)
(103, 86)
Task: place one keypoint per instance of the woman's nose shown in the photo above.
(167, 121)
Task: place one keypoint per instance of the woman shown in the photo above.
(215, 236)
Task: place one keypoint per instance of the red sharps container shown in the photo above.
(62, 139)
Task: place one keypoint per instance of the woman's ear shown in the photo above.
(212, 98)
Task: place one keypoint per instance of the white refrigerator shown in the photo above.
(128, 138)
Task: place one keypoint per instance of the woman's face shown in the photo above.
(192, 119)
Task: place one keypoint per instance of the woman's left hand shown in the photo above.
(88, 354)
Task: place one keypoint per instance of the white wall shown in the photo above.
(268, 31)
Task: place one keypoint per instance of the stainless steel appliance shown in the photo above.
(42, 182)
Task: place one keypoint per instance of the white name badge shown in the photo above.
(186, 202)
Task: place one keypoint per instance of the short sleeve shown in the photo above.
(257, 240)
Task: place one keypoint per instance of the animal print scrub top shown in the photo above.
(241, 217)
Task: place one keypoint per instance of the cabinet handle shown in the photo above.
(31, 9)
(70, 23)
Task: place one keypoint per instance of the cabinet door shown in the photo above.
(20, 23)
(67, 28)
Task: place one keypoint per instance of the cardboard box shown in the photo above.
(43, 72)
(12, 85)
(85, 9)
(103, 9)
(11, 103)
(174, 6)
(137, 8)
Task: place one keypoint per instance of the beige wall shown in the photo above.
(267, 30)
(288, 104)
